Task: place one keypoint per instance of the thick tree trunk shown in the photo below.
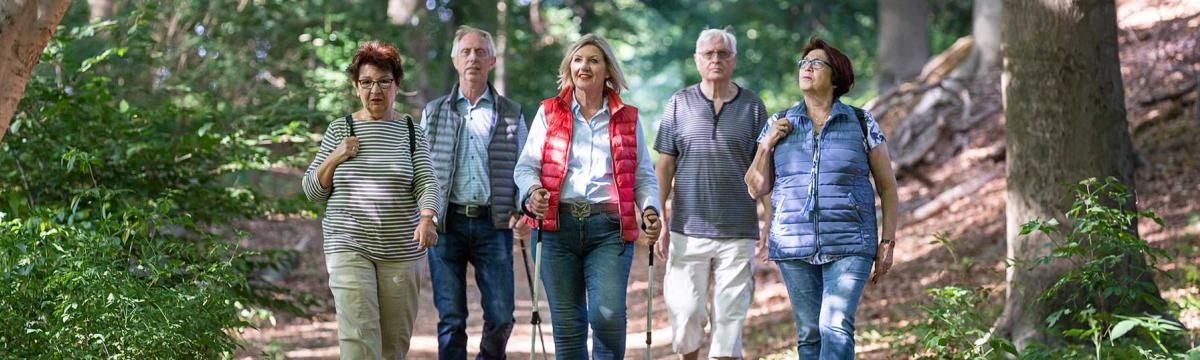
(25, 27)
(1065, 111)
(903, 41)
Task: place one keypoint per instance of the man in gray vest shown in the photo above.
(475, 136)
(706, 142)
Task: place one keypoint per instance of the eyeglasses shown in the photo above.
(715, 54)
(368, 84)
(479, 52)
(815, 64)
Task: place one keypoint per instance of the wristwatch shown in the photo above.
(431, 217)
(887, 241)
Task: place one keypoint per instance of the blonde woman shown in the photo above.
(586, 172)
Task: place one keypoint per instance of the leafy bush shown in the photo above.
(1109, 289)
(1110, 308)
(952, 327)
(114, 289)
(115, 209)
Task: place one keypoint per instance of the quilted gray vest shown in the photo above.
(442, 132)
(835, 216)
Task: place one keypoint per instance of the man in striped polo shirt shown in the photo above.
(475, 136)
(706, 141)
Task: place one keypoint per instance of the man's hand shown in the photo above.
(662, 247)
(519, 228)
(761, 248)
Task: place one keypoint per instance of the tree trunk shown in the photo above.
(101, 9)
(400, 12)
(903, 41)
(985, 52)
(580, 9)
(25, 27)
(985, 28)
(1065, 111)
(501, 46)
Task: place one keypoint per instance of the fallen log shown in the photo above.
(943, 200)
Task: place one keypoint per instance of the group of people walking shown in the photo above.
(471, 176)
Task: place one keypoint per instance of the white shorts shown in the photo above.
(685, 288)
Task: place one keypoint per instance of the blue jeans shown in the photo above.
(824, 300)
(474, 241)
(585, 270)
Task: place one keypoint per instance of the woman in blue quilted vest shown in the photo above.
(816, 161)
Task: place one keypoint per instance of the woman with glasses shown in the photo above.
(816, 161)
(586, 172)
(374, 174)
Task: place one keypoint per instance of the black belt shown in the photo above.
(471, 211)
(583, 210)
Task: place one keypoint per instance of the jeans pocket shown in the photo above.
(613, 217)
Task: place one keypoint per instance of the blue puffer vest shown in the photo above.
(841, 217)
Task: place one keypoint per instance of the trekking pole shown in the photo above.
(649, 293)
(529, 277)
(650, 303)
(536, 320)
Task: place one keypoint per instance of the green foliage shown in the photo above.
(115, 208)
(1106, 305)
(1109, 277)
(1106, 255)
(952, 327)
(118, 289)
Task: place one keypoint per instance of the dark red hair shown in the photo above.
(378, 53)
(843, 70)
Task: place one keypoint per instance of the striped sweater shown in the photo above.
(372, 207)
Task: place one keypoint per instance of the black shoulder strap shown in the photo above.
(862, 123)
(862, 120)
(412, 137)
(350, 123)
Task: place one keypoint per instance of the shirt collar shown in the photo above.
(575, 106)
(487, 96)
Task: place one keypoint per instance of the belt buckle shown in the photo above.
(581, 210)
(472, 211)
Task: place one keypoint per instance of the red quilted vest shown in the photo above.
(622, 134)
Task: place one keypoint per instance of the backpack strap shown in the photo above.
(412, 137)
(350, 123)
(862, 123)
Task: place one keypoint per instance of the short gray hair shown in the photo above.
(725, 34)
(465, 30)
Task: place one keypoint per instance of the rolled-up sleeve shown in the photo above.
(528, 172)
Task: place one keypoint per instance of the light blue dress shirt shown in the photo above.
(471, 154)
(589, 175)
